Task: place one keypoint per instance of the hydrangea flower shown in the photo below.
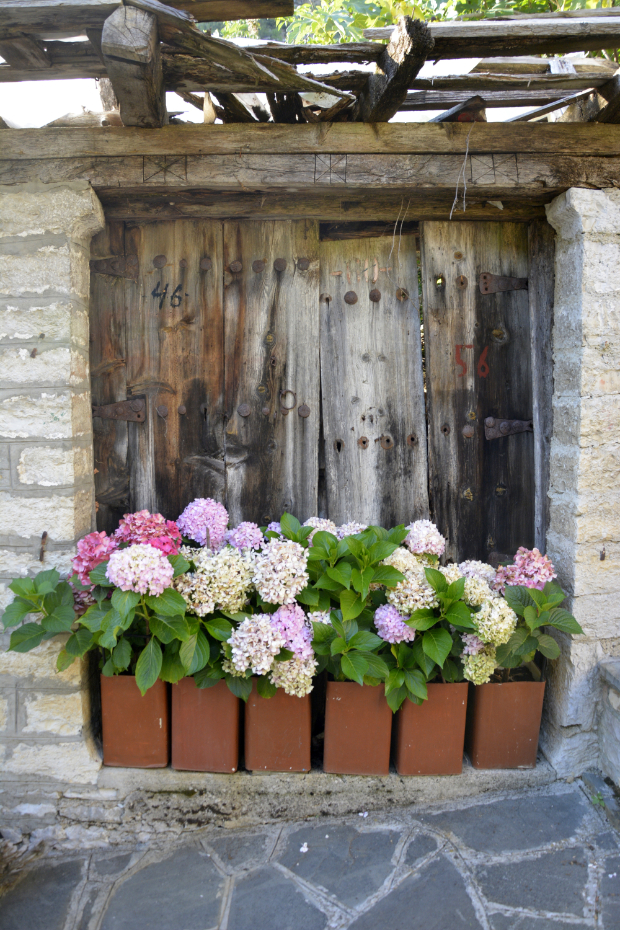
(495, 622)
(222, 580)
(92, 550)
(280, 571)
(294, 676)
(471, 644)
(140, 568)
(328, 526)
(451, 572)
(479, 668)
(149, 528)
(350, 529)
(424, 537)
(391, 626)
(413, 592)
(530, 569)
(290, 620)
(245, 536)
(320, 616)
(204, 521)
(255, 643)
(275, 527)
(404, 561)
(472, 568)
(477, 592)
(82, 600)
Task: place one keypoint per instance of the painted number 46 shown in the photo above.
(482, 369)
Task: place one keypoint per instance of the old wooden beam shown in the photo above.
(234, 110)
(531, 36)
(320, 140)
(205, 11)
(63, 18)
(68, 60)
(471, 110)
(285, 108)
(611, 92)
(130, 46)
(531, 64)
(22, 51)
(352, 52)
(551, 107)
(443, 99)
(409, 46)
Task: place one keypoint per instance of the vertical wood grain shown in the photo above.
(478, 365)
(541, 276)
(372, 387)
(271, 345)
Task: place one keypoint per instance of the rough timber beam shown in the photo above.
(130, 47)
(611, 112)
(409, 46)
(206, 11)
(23, 51)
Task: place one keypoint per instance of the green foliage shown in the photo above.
(536, 610)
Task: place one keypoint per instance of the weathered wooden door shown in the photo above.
(477, 348)
(372, 390)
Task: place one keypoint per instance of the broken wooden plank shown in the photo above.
(443, 99)
(611, 112)
(63, 18)
(234, 111)
(489, 38)
(130, 46)
(23, 51)
(409, 46)
(531, 64)
(352, 52)
(205, 11)
(471, 110)
(551, 107)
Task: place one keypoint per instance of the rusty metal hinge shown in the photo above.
(493, 283)
(495, 428)
(134, 409)
(117, 267)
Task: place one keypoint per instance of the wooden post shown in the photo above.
(130, 47)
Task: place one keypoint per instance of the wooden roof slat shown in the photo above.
(490, 38)
(444, 99)
(205, 11)
(550, 107)
(534, 64)
(22, 51)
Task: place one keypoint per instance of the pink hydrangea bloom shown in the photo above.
(91, 551)
(274, 527)
(350, 529)
(290, 621)
(530, 569)
(151, 529)
(391, 626)
(202, 516)
(425, 538)
(141, 568)
(472, 645)
(245, 536)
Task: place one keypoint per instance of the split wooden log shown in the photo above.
(22, 51)
(409, 46)
(130, 46)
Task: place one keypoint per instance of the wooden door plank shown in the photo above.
(371, 382)
(478, 365)
(271, 345)
(108, 380)
(541, 279)
(175, 339)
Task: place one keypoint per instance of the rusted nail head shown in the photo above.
(303, 264)
(468, 432)
(183, 263)
(182, 409)
(458, 256)
(350, 297)
(162, 411)
(387, 442)
(265, 411)
(235, 267)
(375, 296)
(159, 261)
(284, 411)
(412, 439)
(243, 410)
(490, 421)
(280, 264)
(363, 442)
(136, 405)
(206, 264)
(402, 293)
(258, 266)
(504, 427)
(304, 411)
(461, 282)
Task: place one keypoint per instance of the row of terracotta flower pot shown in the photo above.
(497, 723)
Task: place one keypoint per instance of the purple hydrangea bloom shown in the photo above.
(274, 527)
(290, 621)
(204, 518)
(245, 536)
(390, 625)
(472, 645)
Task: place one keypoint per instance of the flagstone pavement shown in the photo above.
(541, 859)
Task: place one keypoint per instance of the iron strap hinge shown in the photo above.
(494, 283)
(134, 410)
(495, 427)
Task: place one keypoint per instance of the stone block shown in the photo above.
(46, 414)
(5, 466)
(7, 712)
(50, 320)
(52, 466)
(580, 211)
(573, 689)
(39, 665)
(598, 614)
(71, 207)
(70, 762)
(28, 367)
(52, 713)
(62, 517)
(16, 563)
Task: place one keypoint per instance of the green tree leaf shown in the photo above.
(529, 644)
(124, 601)
(23, 587)
(437, 645)
(518, 598)
(309, 597)
(351, 605)
(422, 619)
(121, 655)
(395, 679)
(338, 645)
(264, 687)
(60, 621)
(168, 628)
(79, 643)
(208, 677)
(323, 632)
(452, 670)
(341, 574)
(459, 615)
(562, 620)
(290, 528)
(148, 666)
(325, 583)
(415, 682)
(381, 550)
(385, 574)
(195, 652)
(26, 637)
(395, 698)
(172, 669)
(45, 582)
(361, 581)
(240, 687)
(506, 658)
(456, 590)
(548, 646)
(425, 662)
(366, 641)
(553, 595)
(325, 540)
(436, 580)
(354, 666)
(93, 617)
(98, 575)
(377, 668)
(219, 628)
(64, 660)
(179, 564)
(169, 603)
(356, 548)
(15, 612)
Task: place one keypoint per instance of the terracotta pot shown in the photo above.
(277, 732)
(358, 725)
(503, 721)
(430, 736)
(135, 728)
(205, 727)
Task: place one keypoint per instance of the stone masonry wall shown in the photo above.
(584, 534)
(46, 459)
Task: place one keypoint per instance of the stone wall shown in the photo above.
(584, 533)
(46, 460)
(609, 720)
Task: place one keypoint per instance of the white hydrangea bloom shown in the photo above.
(280, 571)
(476, 592)
(451, 572)
(405, 561)
(222, 579)
(320, 524)
(479, 668)
(320, 616)
(350, 529)
(255, 643)
(294, 675)
(495, 622)
(472, 568)
(414, 591)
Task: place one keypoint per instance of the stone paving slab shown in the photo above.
(539, 859)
